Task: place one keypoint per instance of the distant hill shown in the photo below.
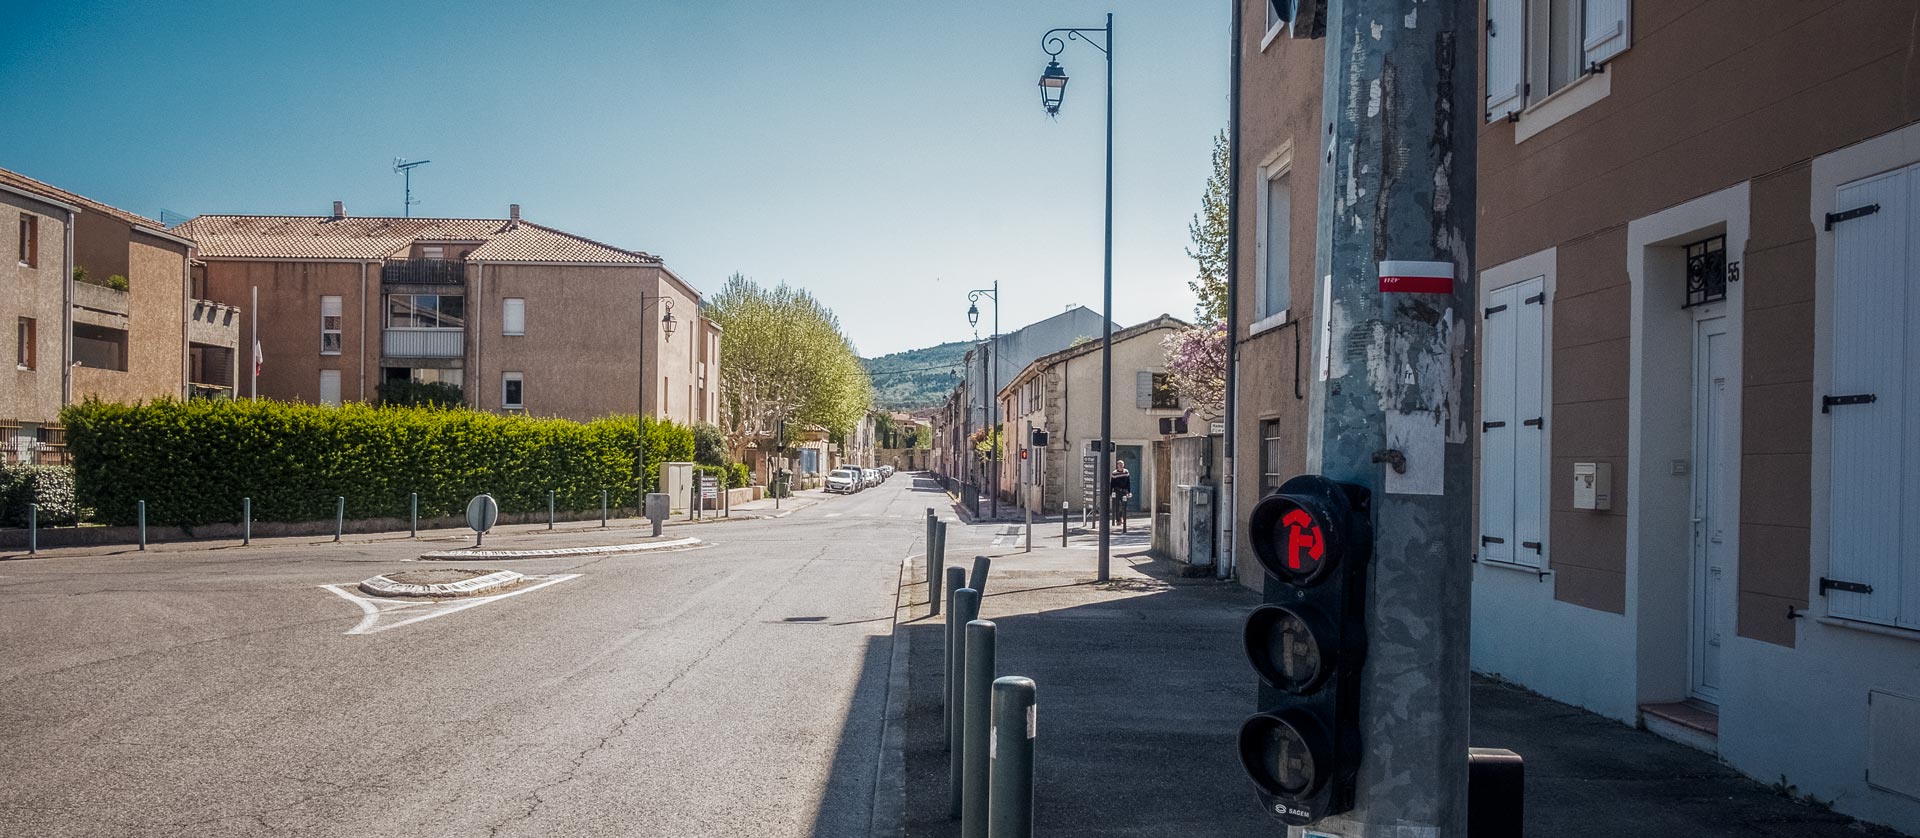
(917, 377)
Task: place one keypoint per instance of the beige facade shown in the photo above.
(1060, 393)
(33, 288)
(523, 318)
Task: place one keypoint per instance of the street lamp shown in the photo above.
(1053, 89)
(667, 324)
(993, 393)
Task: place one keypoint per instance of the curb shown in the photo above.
(457, 555)
(383, 586)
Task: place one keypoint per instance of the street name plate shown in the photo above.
(1089, 481)
(709, 487)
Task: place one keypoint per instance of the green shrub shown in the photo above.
(192, 462)
(742, 476)
(710, 445)
(49, 486)
(118, 282)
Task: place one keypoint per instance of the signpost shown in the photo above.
(709, 490)
(482, 513)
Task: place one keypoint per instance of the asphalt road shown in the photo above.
(735, 689)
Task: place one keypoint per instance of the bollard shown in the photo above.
(1010, 783)
(33, 528)
(246, 521)
(339, 518)
(975, 732)
(1063, 523)
(603, 509)
(1029, 530)
(966, 607)
(956, 579)
(936, 564)
(143, 526)
(978, 581)
(413, 505)
(549, 509)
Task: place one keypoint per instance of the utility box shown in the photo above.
(1195, 529)
(676, 482)
(1593, 486)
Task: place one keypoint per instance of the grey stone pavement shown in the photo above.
(203, 690)
(1142, 685)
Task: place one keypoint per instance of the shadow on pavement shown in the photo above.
(846, 805)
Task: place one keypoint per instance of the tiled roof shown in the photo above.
(27, 184)
(323, 237)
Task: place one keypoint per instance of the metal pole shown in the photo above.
(143, 525)
(33, 528)
(1224, 568)
(1407, 143)
(1010, 793)
(246, 521)
(603, 509)
(978, 705)
(936, 563)
(966, 607)
(549, 509)
(1063, 523)
(413, 507)
(1106, 333)
(949, 700)
(993, 393)
(339, 517)
(1029, 529)
(978, 581)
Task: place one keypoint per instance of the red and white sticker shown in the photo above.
(1416, 277)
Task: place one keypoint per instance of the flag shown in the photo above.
(258, 356)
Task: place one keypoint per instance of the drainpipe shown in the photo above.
(186, 322)
(66, 321)
(1228, 566)
(363, 331)
(479, 391)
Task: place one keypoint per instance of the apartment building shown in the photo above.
(521, 317)
(1060, 394)
(1698, 472)
(98, 303)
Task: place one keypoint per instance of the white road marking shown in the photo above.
(372, 609)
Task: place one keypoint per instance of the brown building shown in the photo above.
(98, 305)
(519, 316)
(1698, 485)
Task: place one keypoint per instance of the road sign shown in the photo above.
(1090, 479)
(709, 487)
(482, 513)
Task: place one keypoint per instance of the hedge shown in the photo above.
(49, 486)
(193, 461)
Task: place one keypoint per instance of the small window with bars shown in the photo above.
(1706, 271)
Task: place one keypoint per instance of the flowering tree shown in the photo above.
(1197, 364)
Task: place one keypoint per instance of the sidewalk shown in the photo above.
(1142, 686)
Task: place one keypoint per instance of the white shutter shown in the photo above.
(1498, 332)
(1529, 359)
(1143, 390)
(330, 388)
(329, 306)
(1871, 265)
(1506, 57)
(513, 316)
(1909, 555)
(1607, 31)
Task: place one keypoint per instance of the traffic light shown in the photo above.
(1314, 539)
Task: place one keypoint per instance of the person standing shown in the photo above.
(1120, 490)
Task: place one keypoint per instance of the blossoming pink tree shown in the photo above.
(1197, 364)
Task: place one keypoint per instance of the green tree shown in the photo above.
(1209, 231)
(783, 357)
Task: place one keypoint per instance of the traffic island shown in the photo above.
(640, 547)
(441, 583)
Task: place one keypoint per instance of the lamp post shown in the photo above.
(668, 323)
(992, 396)
(1053, 89)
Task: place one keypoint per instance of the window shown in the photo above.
(513, 316)
(1270, 476)
(426, 311)
(330, 388)
(29, 240)
(1872, 406)
(28, 335)
(433, 251)
(330, 333)
(1706, 271)
(1164, 396)
(1276, 247)
(1536, 48)
(1513, 424)
(511, 396)
(1276, 18)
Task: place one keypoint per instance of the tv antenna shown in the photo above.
(405, 168)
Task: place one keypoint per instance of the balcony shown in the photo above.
(424, 272)
(423, 343)
(98, 305)
(214, 324)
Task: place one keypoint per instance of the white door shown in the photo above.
(1713, 492)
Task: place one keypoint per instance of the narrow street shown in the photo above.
(732, 689)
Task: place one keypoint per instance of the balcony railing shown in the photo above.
(209, 392)
(214, 324)
(424, 343)
(424, 272)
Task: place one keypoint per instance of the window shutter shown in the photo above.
(1143, 390)
(1606, 33)
(330, 387)
(1497, 427)
(329, 306)
(1506, 57)
(513, 316)
(1871, 261)
(1528, 417)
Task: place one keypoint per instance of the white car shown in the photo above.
(843, 481)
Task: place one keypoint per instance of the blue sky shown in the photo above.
(886, 155)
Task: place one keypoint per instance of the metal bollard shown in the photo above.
(936, 565)
(246, 521)
(413, 505)
(339, 518)
(603, 509)
(549, 509)
(1029, 539)
(33, 528)
(956, 579)
(978, 581)
(975, 732)
(143, 525)
(1063, 523)
(1010, 787)
(966, 607)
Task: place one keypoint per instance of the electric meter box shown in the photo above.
(1593, 486)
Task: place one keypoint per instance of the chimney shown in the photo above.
(513, 212)
(339, 210)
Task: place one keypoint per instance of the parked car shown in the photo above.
(843, 481)
(873, 476)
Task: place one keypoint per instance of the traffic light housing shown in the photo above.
(1314, 539)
